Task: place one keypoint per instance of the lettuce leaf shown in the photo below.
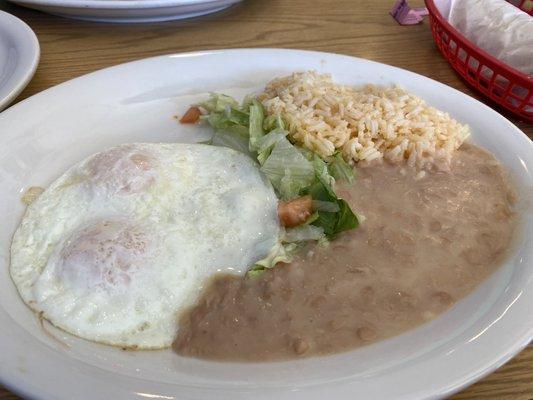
(288, 170)
(255, 128)
(303, 233)
(340, 170)
(218, 102)
(330, 206)
(322, 171)
(332, 222)
(267, 142)
(232, 140)
(281, 252)
(272, 122)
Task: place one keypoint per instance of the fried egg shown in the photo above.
(123, 241)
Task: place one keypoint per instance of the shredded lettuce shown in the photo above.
(224, 113)
(340, 170)
(330, 206)
(288, 170)
(303, 233)
(311, 219)
(346, 218)
(292, 170)
(218, 102)
(231, 140)
(285, 250)
(333, 222)
(281, 252)
(322, 171)
(267, 142)
(255, 128)
(272, 122)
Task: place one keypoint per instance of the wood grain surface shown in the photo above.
(360, 28)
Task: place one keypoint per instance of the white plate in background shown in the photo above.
(128, 11)
(50, 131)
(19, 57)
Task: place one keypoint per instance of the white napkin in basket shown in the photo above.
(499, 28)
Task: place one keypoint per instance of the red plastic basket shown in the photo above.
(503, 84)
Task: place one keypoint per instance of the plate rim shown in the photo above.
(30, 72)
(123, 4)
(499, 359)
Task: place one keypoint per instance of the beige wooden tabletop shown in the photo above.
(360, 28)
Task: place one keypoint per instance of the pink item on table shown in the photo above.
(406, 15)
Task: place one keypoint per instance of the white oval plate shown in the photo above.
(45, 134)
(128, 11)
(19, 57)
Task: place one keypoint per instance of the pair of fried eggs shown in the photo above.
(117, 247)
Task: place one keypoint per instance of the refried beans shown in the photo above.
(425, 243)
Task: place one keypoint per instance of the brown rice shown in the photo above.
(365, 123)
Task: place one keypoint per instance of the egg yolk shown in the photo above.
(103, 255)
(123, 170)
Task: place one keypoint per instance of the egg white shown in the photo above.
(123, 241)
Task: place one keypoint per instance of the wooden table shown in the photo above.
(360, 28)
